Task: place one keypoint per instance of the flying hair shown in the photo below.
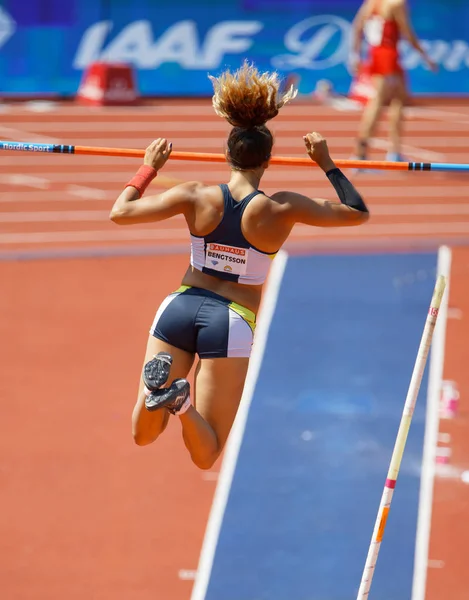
(248, 98)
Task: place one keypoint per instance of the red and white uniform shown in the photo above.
(382, 35)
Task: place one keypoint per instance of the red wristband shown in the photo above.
(142, 179)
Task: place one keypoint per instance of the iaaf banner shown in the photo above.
(46, 44)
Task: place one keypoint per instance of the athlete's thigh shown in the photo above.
(182, 364)
(172, 331)
(400, 87)
(219, 384)
(381, 87)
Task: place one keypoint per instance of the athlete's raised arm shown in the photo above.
(351, 210)
(130, 207)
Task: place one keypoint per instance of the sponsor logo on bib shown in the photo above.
(230, 259)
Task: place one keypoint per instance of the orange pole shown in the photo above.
(220, 158)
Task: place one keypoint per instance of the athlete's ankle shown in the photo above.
(175, 398)
(362, 149)
(183, 409)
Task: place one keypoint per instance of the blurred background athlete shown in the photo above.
(382, 23)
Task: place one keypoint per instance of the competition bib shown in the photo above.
(227, 259)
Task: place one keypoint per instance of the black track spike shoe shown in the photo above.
(173, 397)
(156, 371)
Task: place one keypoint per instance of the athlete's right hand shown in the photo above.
(157, 153)
(316, 147)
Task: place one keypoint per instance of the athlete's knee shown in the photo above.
(205, 461)
(142, 438)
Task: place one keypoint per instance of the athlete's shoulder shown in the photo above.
(282, 202)
(190, 186)
(204, 195)
(397, 9)
(187, 191)
(397, 3)
(367, 6)
(281, 197)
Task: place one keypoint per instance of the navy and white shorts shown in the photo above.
(204, 323)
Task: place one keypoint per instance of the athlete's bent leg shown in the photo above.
(148, 425)
(219, 385)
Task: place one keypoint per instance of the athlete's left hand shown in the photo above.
(158, 153)
(316, 147)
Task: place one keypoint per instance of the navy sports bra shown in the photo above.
(225, 253)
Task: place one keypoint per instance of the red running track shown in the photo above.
(85, 513)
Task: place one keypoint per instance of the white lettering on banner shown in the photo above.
(135, 45)
(178, 44)
(317, 43)
(91, 44)
(452, 56)
(459, 53)
(7, 26)
(323, 42)
(309, 39)
(228, 37)
(226, 258)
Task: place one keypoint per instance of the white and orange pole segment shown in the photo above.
(401, 439)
